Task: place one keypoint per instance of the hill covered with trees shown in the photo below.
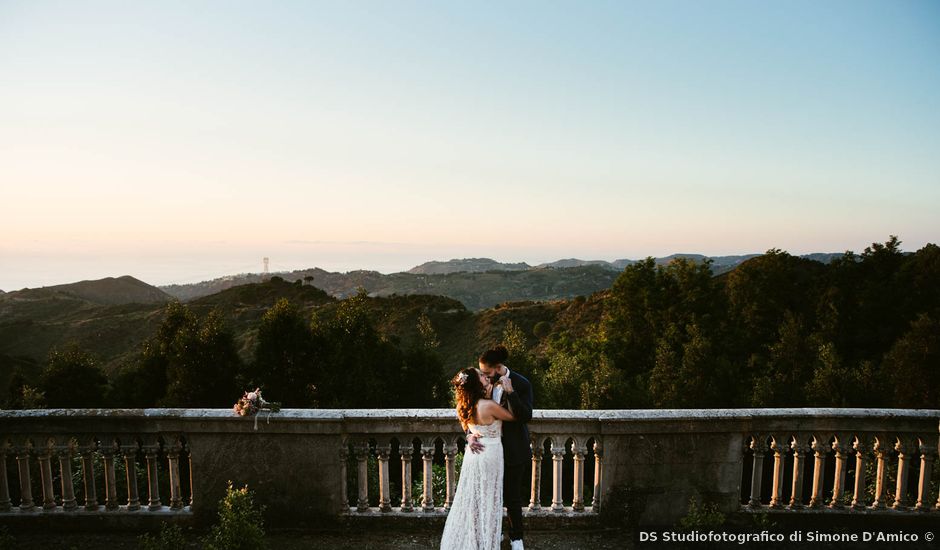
(778, 330)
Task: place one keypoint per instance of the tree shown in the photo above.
(913, 365)
(762, 290)
(73, 379)
(202, 365)
(781, 378)
(143, 382)
(360, 368)
(285, 359)
(644, 303)
(688, 372)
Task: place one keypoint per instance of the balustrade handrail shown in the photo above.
(419, 413)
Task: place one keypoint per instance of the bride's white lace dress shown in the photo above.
(475, 520)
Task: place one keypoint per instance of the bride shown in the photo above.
(475, 520)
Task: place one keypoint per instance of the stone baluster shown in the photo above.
(64, 452)
(450, 453)
(5, 504)
(858, 494)
(880, 452)
(109, 450)
(343, 474)
(45, 475)
(927, 457)
(598, 475)
(558, 455)
(577, 501)
(362, 460)
(904, 467)
(800, 451)
(535, 498)
(189, 467)
(26, 488)
(382, 453)
(152, 452)
(820, 448)
(937, 505)
(173, 465)
(427, 495)
(757, 472)
(776, 494)
(838, 482)
(87, 452)
(129, 450)
(406, 450)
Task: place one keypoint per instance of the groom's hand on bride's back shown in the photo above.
(474, 444)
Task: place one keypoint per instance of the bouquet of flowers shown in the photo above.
(252, 403)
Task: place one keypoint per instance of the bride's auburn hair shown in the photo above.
(468, 390)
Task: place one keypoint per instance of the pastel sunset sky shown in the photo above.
(178, 141)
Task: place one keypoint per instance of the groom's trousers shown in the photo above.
(514, 475)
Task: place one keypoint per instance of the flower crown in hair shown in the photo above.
(462, 378)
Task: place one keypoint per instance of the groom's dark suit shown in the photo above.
(517, 452)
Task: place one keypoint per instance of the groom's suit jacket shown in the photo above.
(516, 444)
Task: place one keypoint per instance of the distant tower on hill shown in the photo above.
(265, 273)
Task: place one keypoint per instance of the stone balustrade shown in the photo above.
(566, 445)
(843, 461)
(313, 466)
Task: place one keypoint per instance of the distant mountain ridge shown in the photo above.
(107, 291)
(466, 265)
(477, 282)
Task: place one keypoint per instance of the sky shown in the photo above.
(179, 141)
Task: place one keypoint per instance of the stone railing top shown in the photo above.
(609, 415)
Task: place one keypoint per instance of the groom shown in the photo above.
(514, 392)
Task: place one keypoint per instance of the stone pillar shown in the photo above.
(558, 455)
(189, 468)
(880, 475)
(26, 489)
(87, 452)
(800, 451)
(64, 452)
(927, 457)
(152, 451)
(904, 467)
(427, 496)
(108, 452)
(577, 501)
(858, 495)
(757, 472)
(535, 496)
(776, 494)
(130, 462)
(362, 460)
(344, 474)
(450, 453)
(598, 475)
(173, 465)
(45, 475)
(406, 451)
(5, 504)
(838, 482)
(382, 452)
(820, 449)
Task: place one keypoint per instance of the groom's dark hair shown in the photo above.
(495, 356)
